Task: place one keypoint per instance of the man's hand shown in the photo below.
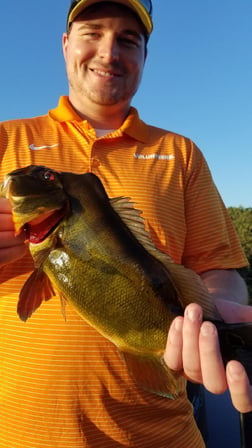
(11, 247)
(193, 347)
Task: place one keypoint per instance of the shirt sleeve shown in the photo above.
(211, 240)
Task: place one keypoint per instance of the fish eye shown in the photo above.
(49, 175)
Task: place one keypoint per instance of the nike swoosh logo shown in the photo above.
(36, 148)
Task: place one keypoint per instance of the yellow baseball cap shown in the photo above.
(143, 9)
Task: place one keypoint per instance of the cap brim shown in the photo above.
(133, 4)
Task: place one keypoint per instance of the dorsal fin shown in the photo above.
(131, 216)
(189, 286)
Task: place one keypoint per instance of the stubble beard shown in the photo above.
(106, 96)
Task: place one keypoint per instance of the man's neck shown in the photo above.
(102, 117)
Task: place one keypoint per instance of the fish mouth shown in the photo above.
(38, 229)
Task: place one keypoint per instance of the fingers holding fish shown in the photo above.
(191, 329)
(182, 349)
(239, 387)
(212, 367)
(11, 254)
(204, 351)
(11, 247)
(173, 352)
(194, 348)
(8, 239)
(6, 222)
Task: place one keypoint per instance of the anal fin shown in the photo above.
(152, 374)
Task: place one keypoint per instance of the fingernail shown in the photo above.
(207, 329)
(178, 324)
(194, 314)
(235, 370)
(176, 327)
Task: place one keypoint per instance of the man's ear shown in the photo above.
(64, 44)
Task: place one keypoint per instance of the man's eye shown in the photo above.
(129, 42)
(91, 34)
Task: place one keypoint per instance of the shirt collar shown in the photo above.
(133, 126)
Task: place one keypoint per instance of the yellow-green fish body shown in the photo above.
(95, 252)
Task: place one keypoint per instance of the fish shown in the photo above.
(96, 254)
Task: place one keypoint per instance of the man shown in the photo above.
(63, 384)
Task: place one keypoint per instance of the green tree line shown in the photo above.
(242, 219)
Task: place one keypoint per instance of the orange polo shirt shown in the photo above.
(62, 384)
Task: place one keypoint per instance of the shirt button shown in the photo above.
(95, 162)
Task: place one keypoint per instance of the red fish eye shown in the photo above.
(49, 175)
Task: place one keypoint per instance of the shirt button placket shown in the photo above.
(95, 163)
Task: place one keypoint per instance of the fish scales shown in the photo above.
(96, 254)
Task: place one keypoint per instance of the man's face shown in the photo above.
(104, 54)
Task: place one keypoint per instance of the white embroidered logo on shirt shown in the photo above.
(36, 148)
(154, 156)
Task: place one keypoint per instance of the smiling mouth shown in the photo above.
(105, 74)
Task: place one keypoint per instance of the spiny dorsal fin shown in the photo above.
(135, 222)
(190, 287)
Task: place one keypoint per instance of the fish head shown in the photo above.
(38, 200)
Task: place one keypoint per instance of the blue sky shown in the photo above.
(197, 79)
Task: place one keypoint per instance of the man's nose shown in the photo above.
(109, 50)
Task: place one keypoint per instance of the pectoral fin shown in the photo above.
(152, 374)
(36, 289)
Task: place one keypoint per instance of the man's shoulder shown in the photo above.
(150, 132)
(166, 133)
(173, 138)
(24, 122)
